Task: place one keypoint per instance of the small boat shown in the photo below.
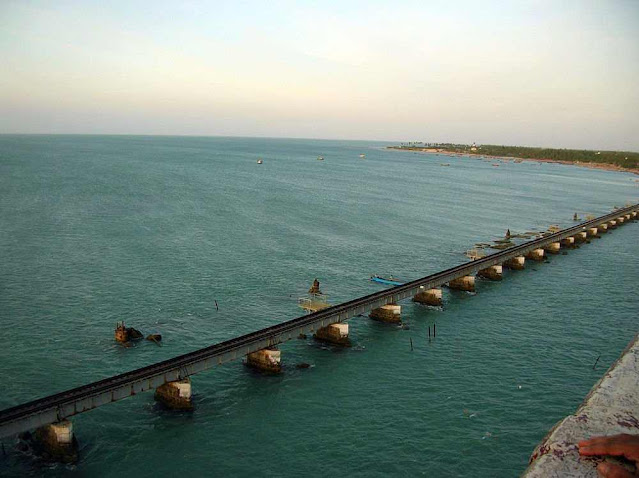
(259, 161)
(444, 164)
(389, 281)
(362, 155)
(320, 158)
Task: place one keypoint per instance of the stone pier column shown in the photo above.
(621, 220)
(516, 263)
(592, 232)
(628, 216)
(267, 360)
(334, 334)
(602, 228)
(612, 224)
(634, 214)
(553, 248)
(387, 313)
(466, 283)
(568, 242)
(492, 273)
(536, 255)
(56, 442)
(581, 237)
(175, 395)
(429, 297)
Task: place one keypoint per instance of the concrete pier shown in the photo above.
(553, 248)
(429, 297)
(611, 408)
(56, 442)
(492, 273)
(175, 395)
(581, 237)
(602, 228)
(516, 263)
(336, 334)
(634, 214)
(568, 242)
(536, 255)
(612, 224)
(592, 232)
(628, 217)
(390, 313)
(266, 360)
(621, 219)
(465, 283)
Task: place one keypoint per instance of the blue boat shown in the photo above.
(390, 281)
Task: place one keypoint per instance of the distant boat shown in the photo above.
(495, 164)
(259, 161)
(362, 155)
(444, 164)
(320, 158)
(389, 281)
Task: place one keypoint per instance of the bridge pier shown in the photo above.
(621, 220)
(465, 283)
(266, 360)
(581, 237)
(628, 217)
(336, 334)
(492, 273)
(603, 228)
(634, 214)
(536, 255)
(516, 263)
(175, 395)
(553, 248)
(568, 242)
(390, 313)
(612, 224)
(56, 442)
(592, 232)
(429, 297)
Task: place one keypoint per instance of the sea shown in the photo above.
(154, 230)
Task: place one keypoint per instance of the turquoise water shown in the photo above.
(153, 230)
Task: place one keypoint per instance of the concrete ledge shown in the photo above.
(611, 407)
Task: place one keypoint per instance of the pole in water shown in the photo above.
(429, 333)
(216, 307)
(593, 367)
(411, 346)
(434, 330)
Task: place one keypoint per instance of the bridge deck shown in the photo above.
(71, 402)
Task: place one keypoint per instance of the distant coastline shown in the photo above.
(619, 161)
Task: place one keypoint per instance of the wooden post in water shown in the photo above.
(411, 344)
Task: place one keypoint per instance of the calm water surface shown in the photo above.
(153, 230)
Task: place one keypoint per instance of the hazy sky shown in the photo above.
(555, 73)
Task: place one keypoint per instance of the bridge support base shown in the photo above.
(266, 360)
(387, 313)
(466, 283)
(620, 220)
(553, 248)
(603, 228)
(633, 214)
(612, 224)
(592, 232)
(568, 242)
(429, 297)
(536, 255)
(336, 334)
(516, 263)
(56, 442)
(175, 395)
(581, 237)
(492, 273)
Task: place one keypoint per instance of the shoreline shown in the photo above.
(602, 166)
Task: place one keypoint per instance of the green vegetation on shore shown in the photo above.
(624, 159)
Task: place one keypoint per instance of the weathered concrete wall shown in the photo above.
(387, 313)
(611, 407)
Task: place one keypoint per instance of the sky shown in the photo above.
(522, 72)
